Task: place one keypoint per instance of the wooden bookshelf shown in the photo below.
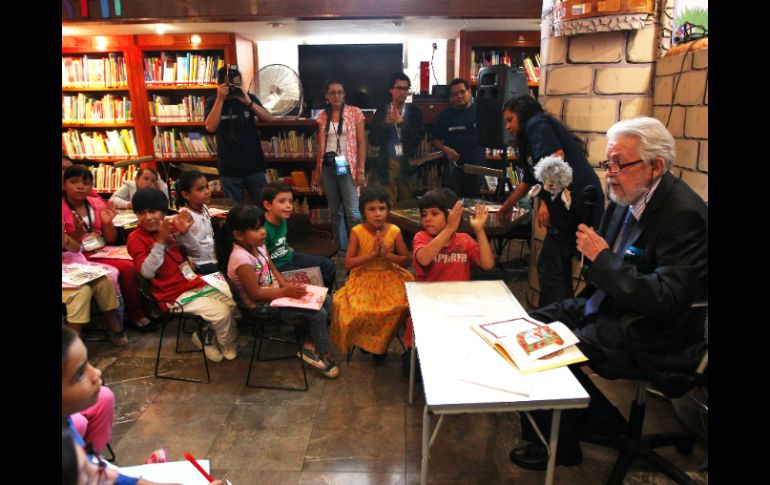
(514, 43)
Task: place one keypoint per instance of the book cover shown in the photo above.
(304, 276)
(218, 281)
(112, 252)
(313, 300)
(530, 345)
(74, 275)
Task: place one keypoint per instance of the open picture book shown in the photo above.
(313, 300)
(530, 345)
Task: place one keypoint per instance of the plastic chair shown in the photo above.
(168, 316)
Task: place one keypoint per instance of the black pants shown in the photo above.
(573, 421)
(554, 268)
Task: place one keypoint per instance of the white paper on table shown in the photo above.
(454, 305)
(487, 368)
(170, 472)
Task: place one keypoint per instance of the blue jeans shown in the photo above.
(233, 187)
(301, 260)
(340, 191)
(315, 322)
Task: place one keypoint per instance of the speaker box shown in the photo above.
(497, 84)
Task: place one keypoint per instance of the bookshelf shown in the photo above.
(98, 93)
(476, 49)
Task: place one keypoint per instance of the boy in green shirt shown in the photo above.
(277, 200)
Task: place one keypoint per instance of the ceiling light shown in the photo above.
(275, 25)
(160, 29)
(101, 42)
(195, 39)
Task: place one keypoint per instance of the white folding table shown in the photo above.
(441, 316)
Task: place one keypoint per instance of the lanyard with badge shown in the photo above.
(340, 162)
(398, 148)
(183, 264)
(91, 241)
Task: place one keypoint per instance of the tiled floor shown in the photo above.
(357, 429)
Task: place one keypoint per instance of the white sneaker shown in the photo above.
(211, 350)
(230, 352)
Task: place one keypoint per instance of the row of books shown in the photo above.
(485, 58)
(189, 109)
(171, 67)
(532, 68)
(298, 178)
(116, 143)
(108, 178)
(96, 72)
(290, 144)
(320, 215)
(301, 206)
(180, 144)
(85, 109)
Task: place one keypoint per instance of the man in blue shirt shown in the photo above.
(455, 134)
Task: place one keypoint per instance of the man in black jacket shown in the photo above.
(397, 129)
(649, 264)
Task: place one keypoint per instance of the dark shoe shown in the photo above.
(534, 456)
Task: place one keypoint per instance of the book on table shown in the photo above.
(532, 346)
(313, 299)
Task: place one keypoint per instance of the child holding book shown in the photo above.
(277, 201)
(257, 281)
(145, 178)
(158, 256)
(440, 252)
(192, 195)
(372, 305)
(95, 230)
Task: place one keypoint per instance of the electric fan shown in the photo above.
(279, 89)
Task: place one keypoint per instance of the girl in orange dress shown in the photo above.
(368, 310)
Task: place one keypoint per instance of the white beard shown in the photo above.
(627, 199)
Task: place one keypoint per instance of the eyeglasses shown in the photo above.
(458, 93)
(615, 167)
(335, 93)
(401, 88)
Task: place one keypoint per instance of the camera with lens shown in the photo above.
(235, 90)
(328, 159)
(226, 74)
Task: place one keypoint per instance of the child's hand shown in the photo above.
(183, 221)
(107, 215)
(164, 232)
(455, 216)
(79, 231)
(378, 244)
(294, 291)
(478, 219)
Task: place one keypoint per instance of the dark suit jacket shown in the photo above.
(412, 132)
(649, 294)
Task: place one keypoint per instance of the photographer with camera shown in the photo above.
(232, 115)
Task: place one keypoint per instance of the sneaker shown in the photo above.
(312, 358)
(230, 352)
(119, 339)
(211, 350)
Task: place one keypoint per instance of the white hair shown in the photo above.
(654, 139)
(554, 170)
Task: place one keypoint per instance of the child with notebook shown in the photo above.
(440, 252)
(277, 201)
(256, 281)
(370, 308)
(158, 256)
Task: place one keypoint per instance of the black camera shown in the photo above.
(328, 159)
(235, 90)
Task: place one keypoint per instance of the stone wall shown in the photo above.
(681, 103)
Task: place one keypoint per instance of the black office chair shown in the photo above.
(673, 383)
(265, 318)
(167, 316)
